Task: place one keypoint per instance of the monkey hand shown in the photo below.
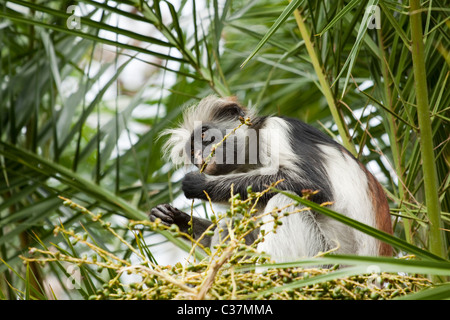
(170, 215)
(193, 185)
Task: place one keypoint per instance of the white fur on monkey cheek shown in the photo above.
(175, 146)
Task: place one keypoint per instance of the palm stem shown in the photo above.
(436, 243)
(325, 87)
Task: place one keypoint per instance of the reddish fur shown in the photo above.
(231, 99)
(235, 100)
(381, 208)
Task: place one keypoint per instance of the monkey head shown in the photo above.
(208, 139)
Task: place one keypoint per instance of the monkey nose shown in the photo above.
(198, 159)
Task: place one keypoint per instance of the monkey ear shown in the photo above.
(230, 111)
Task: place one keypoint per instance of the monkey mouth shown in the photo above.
(204, 164)
(201, 165)
(207, 167)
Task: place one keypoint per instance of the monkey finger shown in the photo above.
(163, 214)
(172, 211)
(168, 208)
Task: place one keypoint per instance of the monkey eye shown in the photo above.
(204, 129)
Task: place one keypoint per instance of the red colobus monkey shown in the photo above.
(270, 149)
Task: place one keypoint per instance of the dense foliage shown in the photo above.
(86, 86)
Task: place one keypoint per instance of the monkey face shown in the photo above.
(211, 152)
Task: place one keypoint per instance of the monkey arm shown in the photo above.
(170, 215)
(218, 187)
